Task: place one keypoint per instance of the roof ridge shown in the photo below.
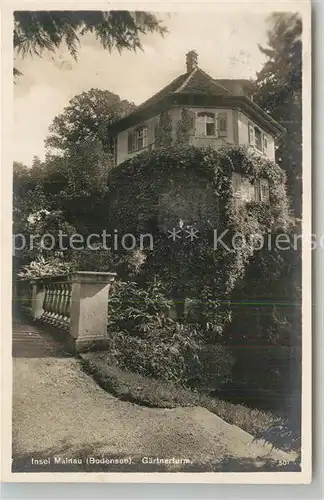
(186, 80)
(215, 82)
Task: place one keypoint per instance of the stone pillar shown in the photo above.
(37, 300)
(89, 308)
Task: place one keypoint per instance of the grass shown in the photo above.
(144, 391)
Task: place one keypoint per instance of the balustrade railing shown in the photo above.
(57, 303)
(76, 303)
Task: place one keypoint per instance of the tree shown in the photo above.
(87, 118)
(279, 92)
(37, 31)
(85, 170)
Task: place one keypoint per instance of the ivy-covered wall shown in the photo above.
(184, 187)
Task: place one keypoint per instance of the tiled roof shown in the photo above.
(169, 89)
(196, 82)
(230, 92)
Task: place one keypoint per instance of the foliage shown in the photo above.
(75, 180)
(28, 196)
(37, 31)
(137, 310)
(74, 185)
(179, 188)
(147, 341)
(42, 268)
(265, 332)
(183, 127)
(87, 118)
(85, 170)
(279, 92)
(216, 363)
(272, 284)
(163, 353)
(164, 131)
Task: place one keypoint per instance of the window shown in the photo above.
(256, 138)
(265, 144)
(137, 139)
(244, 189)
(264, 190)
(205, 124)
(251, 134)
(141, 137)
(222, 124)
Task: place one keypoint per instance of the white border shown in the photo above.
(303, 477)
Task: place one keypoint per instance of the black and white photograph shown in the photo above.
(159, 212)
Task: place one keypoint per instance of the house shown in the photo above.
(219, 112)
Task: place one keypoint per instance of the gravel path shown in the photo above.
(59, 411)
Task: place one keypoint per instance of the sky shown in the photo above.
(226, 43)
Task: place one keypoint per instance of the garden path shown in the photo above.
(59, 411)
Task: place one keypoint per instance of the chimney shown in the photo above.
(191, 61)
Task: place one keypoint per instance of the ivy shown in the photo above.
(183, 127)
(164, 132)
(191, 189)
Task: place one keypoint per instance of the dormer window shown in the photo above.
(137, 139)
(205, 124)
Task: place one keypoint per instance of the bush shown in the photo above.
(42, 268)
(137, 310)
(216, 365)
(164, 353)
(145, 340)
(176, 354)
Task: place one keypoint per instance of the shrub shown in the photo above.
(164, 353)
(42, 268)
(137, 310)
(216, 365)
(145, 340)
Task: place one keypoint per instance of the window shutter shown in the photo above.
(251, 134)
(130, 141)
(200, 125)
(191, 120)
(222, 124)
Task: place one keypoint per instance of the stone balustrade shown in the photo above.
(76, 304)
